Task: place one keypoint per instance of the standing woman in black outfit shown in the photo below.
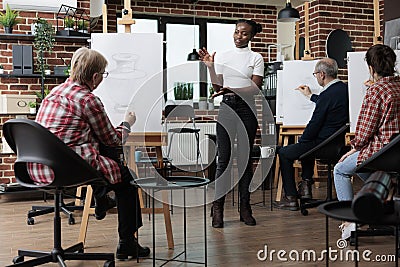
(238, 76)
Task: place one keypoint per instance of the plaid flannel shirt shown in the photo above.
(76, 116)
(379, 118)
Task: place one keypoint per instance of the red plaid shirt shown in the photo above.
(379, 118)
(76, 116)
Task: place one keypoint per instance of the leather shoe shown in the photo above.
(305, 189)
(131, 247)
(103, 204)
(287, 203)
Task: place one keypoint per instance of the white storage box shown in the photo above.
(16, 104)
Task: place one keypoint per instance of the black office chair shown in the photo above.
(66, 208)
(328, 152)
(35, 144)
(173, 113)
(385, 160)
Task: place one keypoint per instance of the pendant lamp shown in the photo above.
(288, 14)
(194, 56)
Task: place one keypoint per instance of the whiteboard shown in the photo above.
(135, 79)
(358, 73)
(297, 108)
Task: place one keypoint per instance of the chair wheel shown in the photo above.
(109, 264)
(18, 259)
(71, 220)
(30, 221)
(304, 212)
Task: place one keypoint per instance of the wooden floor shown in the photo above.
(234, 245)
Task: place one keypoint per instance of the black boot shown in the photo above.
(217, 213)
(246, 214)
(305, 189)
(103, 204)
(130, 247)
(287, 203)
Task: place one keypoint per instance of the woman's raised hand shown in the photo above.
(206, 57)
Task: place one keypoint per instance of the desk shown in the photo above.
(154, 184)
(341, 210)
(157, 140)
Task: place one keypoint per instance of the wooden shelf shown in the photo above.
(30, 37)
(10, 75)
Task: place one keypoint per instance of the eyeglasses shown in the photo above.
(315, 73)
(105, 74)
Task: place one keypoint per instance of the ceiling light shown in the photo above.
(288, 14)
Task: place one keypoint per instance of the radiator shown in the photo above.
(183, 146)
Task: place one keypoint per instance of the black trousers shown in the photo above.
(287, 156)
(236, 119)
(126, 194)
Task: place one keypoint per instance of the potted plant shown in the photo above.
(47, 70)
(9, 19)
(83, 26)
(1, 69)
(69, 23)
(32, 107)
(42, 95)
(43, 42)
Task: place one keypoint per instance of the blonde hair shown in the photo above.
(86, 62)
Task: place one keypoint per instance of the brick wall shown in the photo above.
(355, 17)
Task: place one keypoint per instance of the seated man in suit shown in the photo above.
(331, 112)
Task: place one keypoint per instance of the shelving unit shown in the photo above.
(30, 37)
(10, 75)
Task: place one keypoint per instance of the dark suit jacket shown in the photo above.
(331, 112)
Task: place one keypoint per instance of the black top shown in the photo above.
(331, 112)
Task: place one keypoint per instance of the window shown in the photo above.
(181, 39)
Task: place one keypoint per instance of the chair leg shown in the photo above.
(58, 254)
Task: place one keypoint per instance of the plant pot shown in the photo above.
(211, 105)
(1, 71)
(47, 72)
(8, 30)
(32, 110)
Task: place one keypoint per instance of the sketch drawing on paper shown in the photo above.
(135, 80)
(124, 76)
(297, 109)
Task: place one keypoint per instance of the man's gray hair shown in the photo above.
(327, 66)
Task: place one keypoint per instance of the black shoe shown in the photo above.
(305, 189)
(131, 248)
(246, 214)
(103, 204)
(287, 203)
(217, 213)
